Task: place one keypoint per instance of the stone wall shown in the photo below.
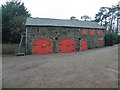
(57, 33)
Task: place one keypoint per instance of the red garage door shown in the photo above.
(66, 45)
(83, 44)
(41, 46)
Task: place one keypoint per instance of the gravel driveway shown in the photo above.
(97, 68)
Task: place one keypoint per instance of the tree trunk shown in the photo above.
(111, 24)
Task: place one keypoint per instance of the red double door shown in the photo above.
(66, 45)
(41, 46)
(44, 46)
(83, 44)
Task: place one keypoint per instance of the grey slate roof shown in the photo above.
(61, 22)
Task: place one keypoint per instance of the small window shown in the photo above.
(33, 34)
(92, 32)
(56, 38)
(99, 32)
(79, 38)
(84, 31)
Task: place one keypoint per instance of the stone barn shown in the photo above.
(44, 35)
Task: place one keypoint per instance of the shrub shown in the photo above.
(111, 39)
(115, 38)
(119, 39)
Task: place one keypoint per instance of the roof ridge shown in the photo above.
(47, 18)
(58, 19)
(61, 22)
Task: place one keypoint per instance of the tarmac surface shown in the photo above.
(95, 68)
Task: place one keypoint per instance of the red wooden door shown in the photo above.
(41, 46)
(100, 42)
(66, 45)
(83, 44)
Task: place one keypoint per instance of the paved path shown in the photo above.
(96, 68)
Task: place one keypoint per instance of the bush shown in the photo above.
(108, 39)
(119, 39)
(9, 48)
(115, 38)
(111, 39)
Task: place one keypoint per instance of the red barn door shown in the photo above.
(41, 46)
(66, 45)
(83, 44)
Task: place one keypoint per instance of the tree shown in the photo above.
(14, 14)
(107, 16)
(118, 16)
(85, 18)
(73, 18)
(102, 16)
(112, 16)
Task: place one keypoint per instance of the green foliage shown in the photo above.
(119, 39)
(108, 39)
(107, 16)
(111, 39)
(14, 14)
(115, 38)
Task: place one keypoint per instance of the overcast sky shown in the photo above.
(64, 9)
